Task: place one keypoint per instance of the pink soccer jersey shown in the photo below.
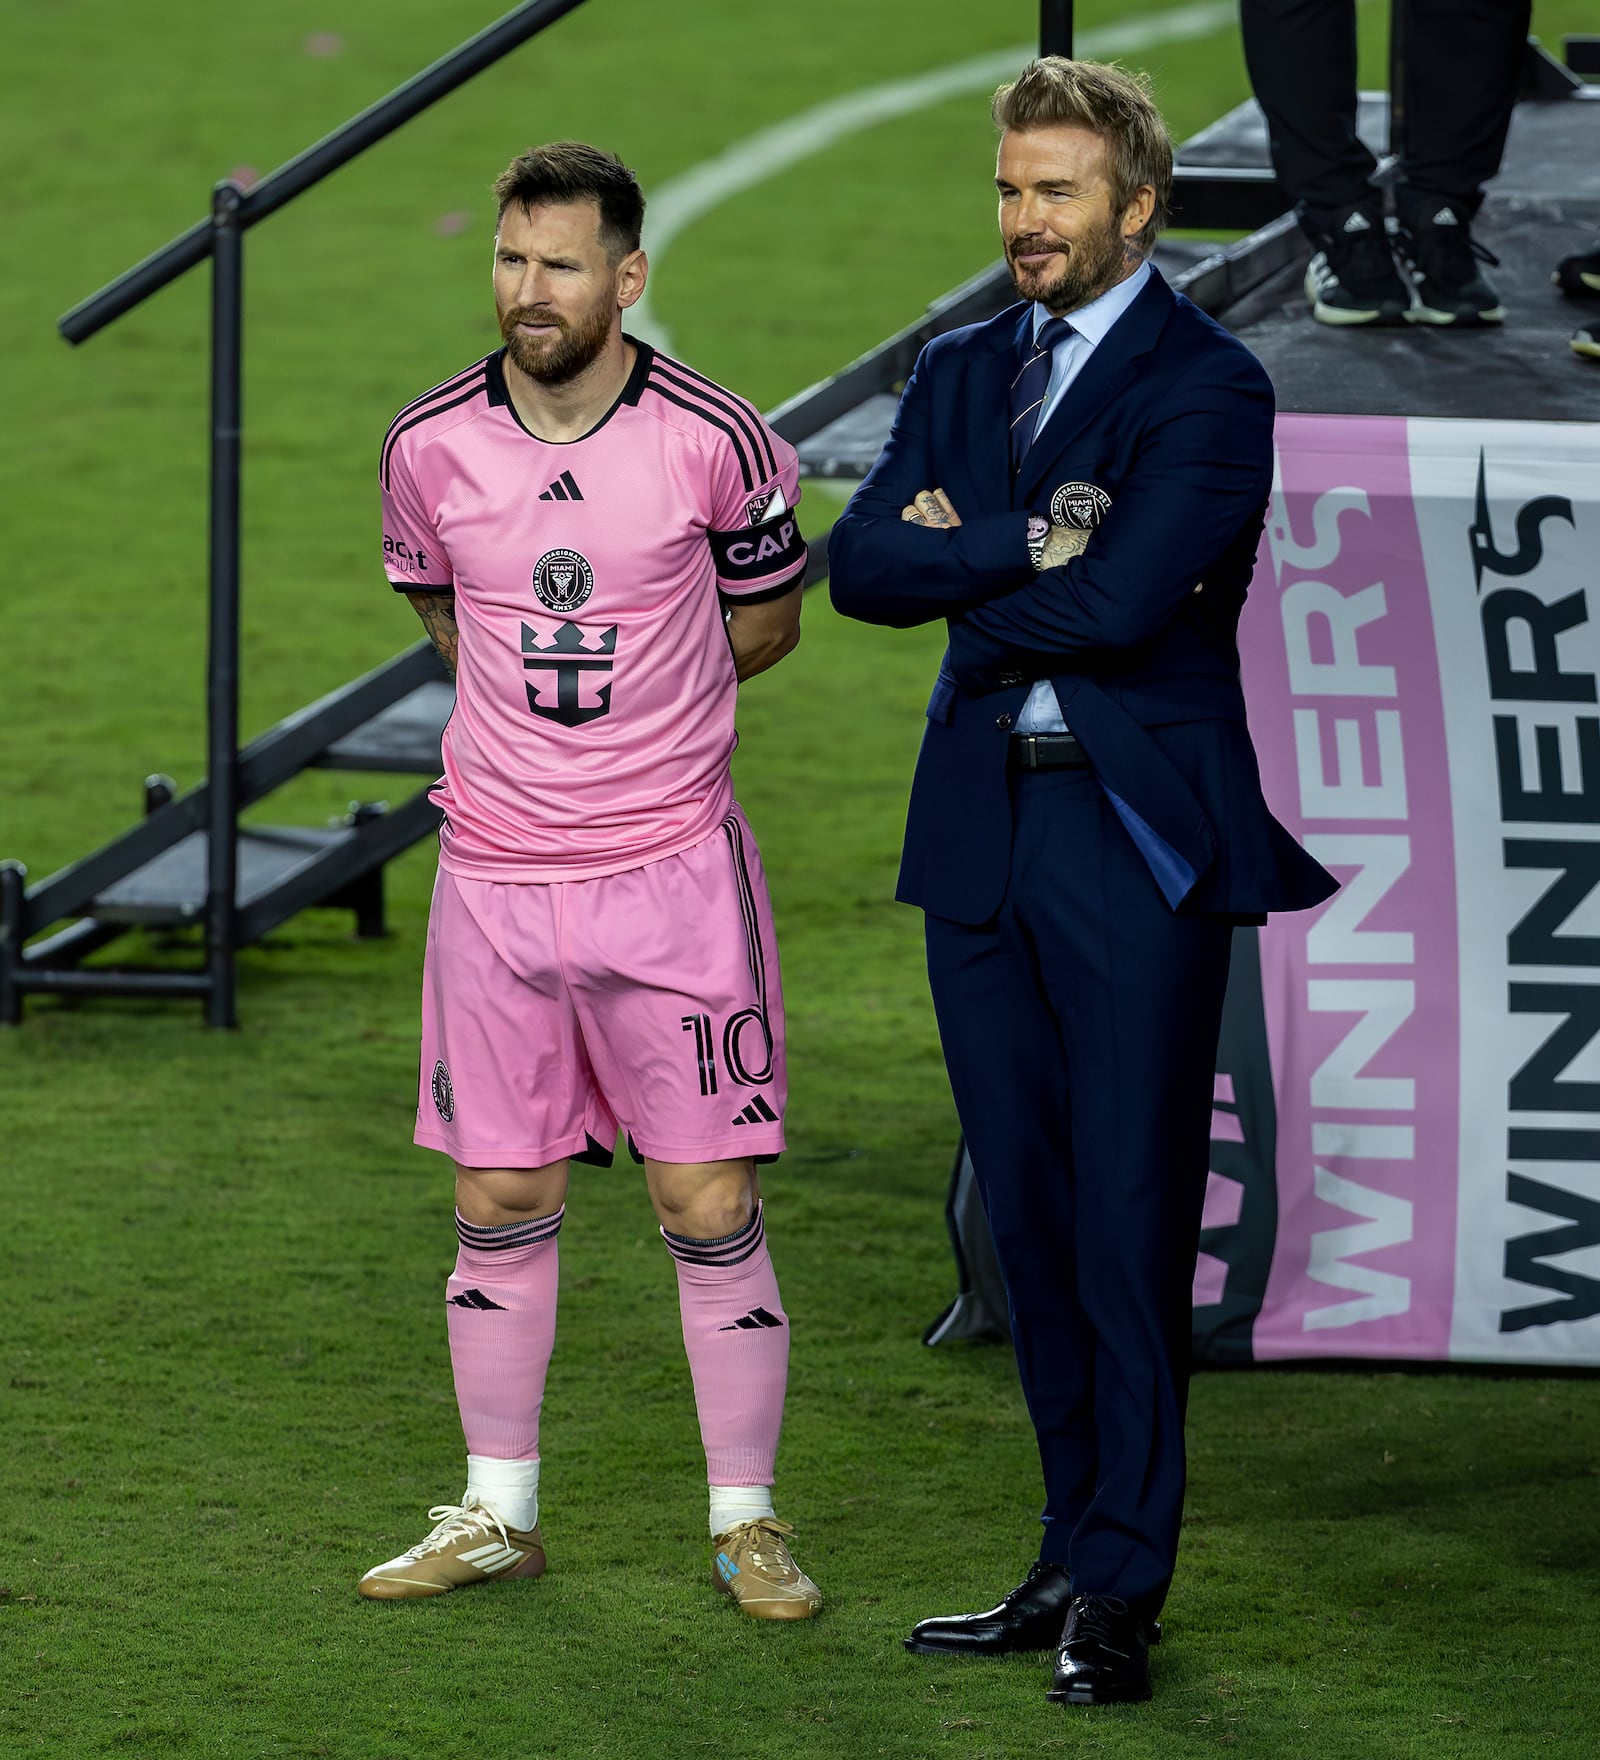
(595, 687)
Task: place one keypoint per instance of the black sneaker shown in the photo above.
(1579, 277)
(1352, 278)
(1586, 341)
(1443, 259)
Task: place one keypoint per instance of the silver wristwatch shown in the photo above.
(1038, 531)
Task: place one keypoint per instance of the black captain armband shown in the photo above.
(754, 553)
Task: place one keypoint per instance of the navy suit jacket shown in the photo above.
(1171, 418)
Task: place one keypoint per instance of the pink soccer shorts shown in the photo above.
(650, 1000)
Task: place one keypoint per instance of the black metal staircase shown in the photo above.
(159, 875)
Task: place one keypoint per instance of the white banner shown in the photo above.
(1422, 661)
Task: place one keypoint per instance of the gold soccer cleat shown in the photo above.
(752, 1564)
(470, 1545)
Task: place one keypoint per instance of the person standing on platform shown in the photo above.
(1460, 68)
(602, 544)
(1086, 822)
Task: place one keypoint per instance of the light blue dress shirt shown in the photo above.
(1090, 325)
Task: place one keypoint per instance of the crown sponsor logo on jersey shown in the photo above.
(444, 1099)
(562, 580)
(577, 669)
(1078, 505)
(767, 505)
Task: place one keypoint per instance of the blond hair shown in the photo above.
(1116, 105)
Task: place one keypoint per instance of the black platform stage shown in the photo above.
(1544, 205)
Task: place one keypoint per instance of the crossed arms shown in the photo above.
(932, 507)
(1200, 473)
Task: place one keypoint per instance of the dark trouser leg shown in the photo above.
(1462, 62)
(1302, 60)
(1097, 1245)
(1004, 1054)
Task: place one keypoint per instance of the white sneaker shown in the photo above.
(470, 1545)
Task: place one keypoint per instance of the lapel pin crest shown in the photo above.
(1079, 505)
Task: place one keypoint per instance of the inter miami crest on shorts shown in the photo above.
(444, 1100)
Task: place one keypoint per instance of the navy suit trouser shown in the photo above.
(1080, 1030)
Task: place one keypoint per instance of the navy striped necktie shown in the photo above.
(1030, 385)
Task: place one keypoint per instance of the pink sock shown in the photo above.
(737, 1337)
(501, 1309)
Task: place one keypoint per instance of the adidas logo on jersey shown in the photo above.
(757, 1320)
(1446, 217)
(1358, 222)
(757, 1112)
(564, 488)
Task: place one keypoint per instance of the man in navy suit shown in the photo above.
(1078, 487)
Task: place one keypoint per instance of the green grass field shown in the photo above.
(223, 1382)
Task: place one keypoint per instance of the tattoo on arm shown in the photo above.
(1062, 544)
(438, 614)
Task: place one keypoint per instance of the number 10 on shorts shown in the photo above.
(745, 1035)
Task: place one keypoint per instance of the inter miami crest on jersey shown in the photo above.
(562, 580)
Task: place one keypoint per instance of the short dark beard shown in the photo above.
(561, 358)
(1095, 263)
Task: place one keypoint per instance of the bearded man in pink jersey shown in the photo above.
(602, 544)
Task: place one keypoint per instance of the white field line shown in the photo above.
(679, 202)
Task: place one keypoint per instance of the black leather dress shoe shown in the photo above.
(1029, 1618)
(1104, 1654)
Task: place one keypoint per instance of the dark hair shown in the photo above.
(1117, 106)
(572, 171)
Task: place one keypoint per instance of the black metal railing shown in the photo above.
(234, 210)
(1212, 197)
(1055, 27)
(307, 169)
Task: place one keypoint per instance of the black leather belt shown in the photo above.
(1045, 751)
